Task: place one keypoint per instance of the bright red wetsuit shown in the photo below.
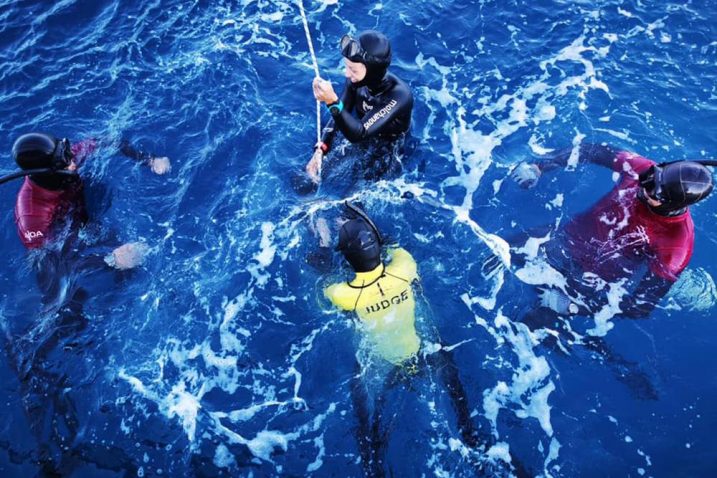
(37, 209)
(620, 232)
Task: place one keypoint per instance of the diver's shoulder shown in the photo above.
(399, 86)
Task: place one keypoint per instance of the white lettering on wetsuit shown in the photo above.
(30, 235)
(386, 303)
(380, 114)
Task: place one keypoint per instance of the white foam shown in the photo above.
(499, 451)
(184, 405)
(223, 458)
(265, 442)
(530, 385)
(611, 37)
(422, 62)
(319, 461)
(273, 17)
(537, 148)
(545, 113)
(558, 201)
(539, 272)
(602, 318)
(617, 134)
(531, 248)
(266, 256)
(575, 152)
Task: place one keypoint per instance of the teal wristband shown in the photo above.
(336, 107)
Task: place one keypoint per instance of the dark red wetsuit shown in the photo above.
(620, 232)
(38, 209)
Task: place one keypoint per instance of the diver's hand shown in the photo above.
(557, 301)
(526, 174)
(313, 167)
(324, 91)
(128, 256)
(160, 165)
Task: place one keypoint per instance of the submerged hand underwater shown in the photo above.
(440, 290)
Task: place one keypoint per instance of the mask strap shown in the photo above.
(703, 162)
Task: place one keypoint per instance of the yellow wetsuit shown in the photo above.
(383, 300)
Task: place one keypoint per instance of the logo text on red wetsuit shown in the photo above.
(30, 235)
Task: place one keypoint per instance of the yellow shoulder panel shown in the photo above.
(402, 264)
(341, 295)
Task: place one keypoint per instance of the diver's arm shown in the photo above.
(376, 121)
(158, 164)
(327, 136)
(600, 154)
(323, 91)
(348, 99)
(645, 297)
(527, 174)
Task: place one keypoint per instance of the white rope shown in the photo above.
(316, 67)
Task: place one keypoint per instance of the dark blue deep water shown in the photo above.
(220, 357)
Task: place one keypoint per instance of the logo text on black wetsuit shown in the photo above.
(386, 303)
(380, 114)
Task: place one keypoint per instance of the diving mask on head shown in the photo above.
(675, 185)
(360, 241)
(40, 155)
(351, 49)
(370, 48)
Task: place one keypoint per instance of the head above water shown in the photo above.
(360, 241)
(42, 151)
(669, 188)
(372, 50)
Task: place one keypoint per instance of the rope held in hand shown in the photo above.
(316, 67)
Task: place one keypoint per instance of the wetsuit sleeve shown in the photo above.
(82, 149)
(602, 155)
(646, 296)
(396, 103)
(127, 149)
(348, 97)
(403, 264)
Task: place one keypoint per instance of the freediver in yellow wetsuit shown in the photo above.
(382, 296)
(383, 299)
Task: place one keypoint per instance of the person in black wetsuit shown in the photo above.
(374, 104)
(49, 348)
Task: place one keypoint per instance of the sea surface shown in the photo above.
(220, 357)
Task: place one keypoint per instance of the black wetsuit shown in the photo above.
(382, 111)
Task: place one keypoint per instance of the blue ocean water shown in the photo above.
(219, 356)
